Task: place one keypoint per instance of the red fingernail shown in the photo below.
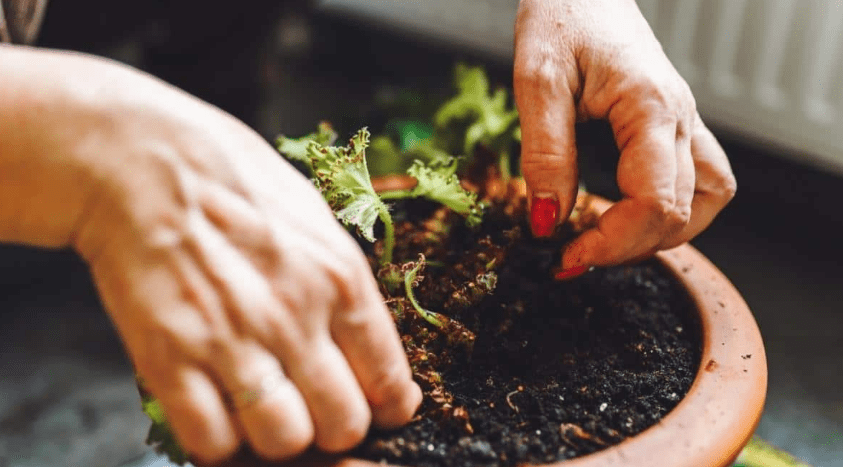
(544, 212)
(570, 273)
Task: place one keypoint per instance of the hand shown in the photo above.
(581, 59)
(223, 270)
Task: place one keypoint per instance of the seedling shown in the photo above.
(473, 119)
(342, 175)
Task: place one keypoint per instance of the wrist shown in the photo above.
(51, 118)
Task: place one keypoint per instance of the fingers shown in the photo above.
(155, 332)
(575, 62)
(292, 322)
(715, 184)
(543, 85)
(362, 327)
(640, 224)
(368, 338)
(269, 407)
(195, 410)
(337, 405)
(654, 174)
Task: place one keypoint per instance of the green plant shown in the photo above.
(432, 155)
(160, 433)
(342, 175)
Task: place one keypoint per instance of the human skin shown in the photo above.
(598, 59)
(219, 264)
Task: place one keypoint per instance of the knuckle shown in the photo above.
(654, 92)
(269, 249)
(666, 212)
(211, 453)
(726, 188)
(658, 115)
(198, 441)
(351, 280)
(535, 71)
(667, 102)
(169, 231)
(355, 321)
(546, 169)
(543, 161)
(290, 444)
(687, 111)
(390, 386)
(678, 216)
(345, 435)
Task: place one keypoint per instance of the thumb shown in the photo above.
(548, 147)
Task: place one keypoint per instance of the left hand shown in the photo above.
(581, 59)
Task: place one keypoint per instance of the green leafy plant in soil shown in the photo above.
(515, 367)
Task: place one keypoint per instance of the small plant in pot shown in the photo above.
(658, 363)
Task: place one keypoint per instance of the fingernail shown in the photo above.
(570, 273)
(544, 211)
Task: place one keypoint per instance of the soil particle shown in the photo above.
(557, 369)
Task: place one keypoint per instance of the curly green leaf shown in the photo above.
(442, 185)
(296, 148)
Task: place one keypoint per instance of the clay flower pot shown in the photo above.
(713, 422)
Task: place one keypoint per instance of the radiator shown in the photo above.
(769, 70)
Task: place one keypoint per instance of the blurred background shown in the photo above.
(767, 76)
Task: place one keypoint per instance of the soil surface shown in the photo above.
(552, 370)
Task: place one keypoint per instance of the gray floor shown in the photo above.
(66, 391)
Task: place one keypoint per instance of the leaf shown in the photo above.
(160, 433)
(480, 117)
(362, 212)
(441, 184)
(426, 151)
(341, 174)
(410, 131)
(296, 148)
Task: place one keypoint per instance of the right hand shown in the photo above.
(578, 60)
(221, 266)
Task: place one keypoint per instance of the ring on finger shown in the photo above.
(269, 384)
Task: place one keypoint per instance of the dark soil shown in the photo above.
(556, 369)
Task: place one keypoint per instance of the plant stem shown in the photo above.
(429, 316)
(389, 234)
(395, 194)
(503, 163)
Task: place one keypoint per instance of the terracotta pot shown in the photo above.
(710, 426)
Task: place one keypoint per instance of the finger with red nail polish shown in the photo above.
(544, 213)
